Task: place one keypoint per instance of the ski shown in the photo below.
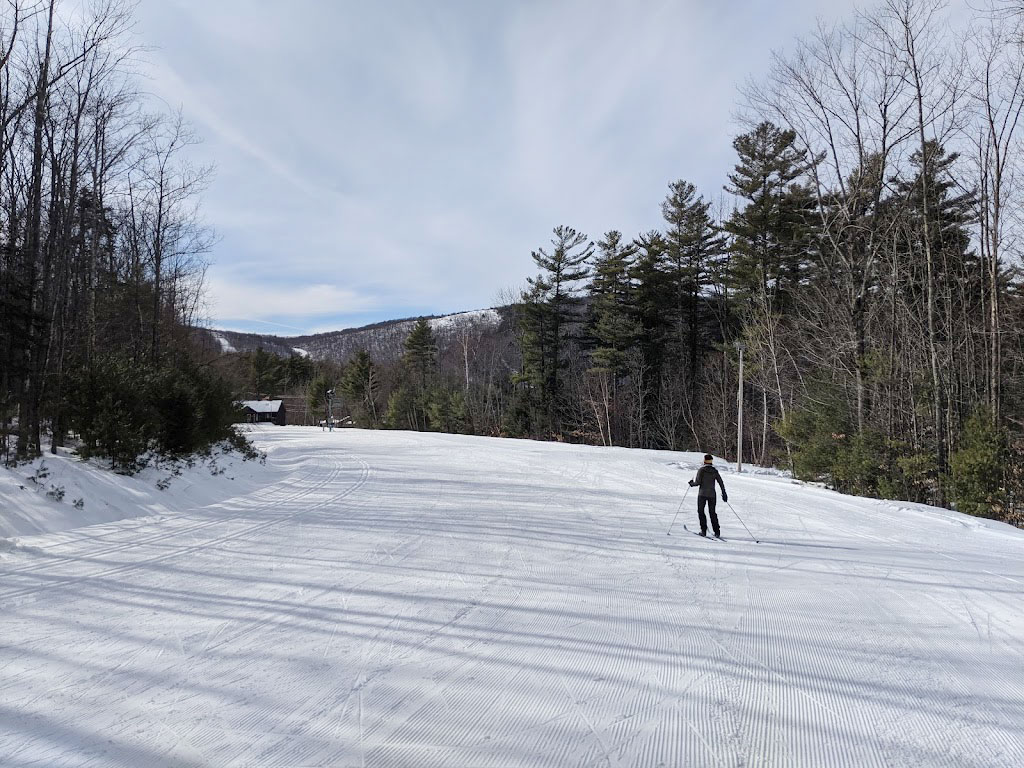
(697, 533)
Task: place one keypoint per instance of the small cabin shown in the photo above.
(264, 412)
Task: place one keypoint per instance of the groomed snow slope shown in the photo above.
(59, 493)
(397, 599)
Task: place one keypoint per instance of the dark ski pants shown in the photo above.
(710, 501)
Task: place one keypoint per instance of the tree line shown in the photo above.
(869, 267)
(101, 246)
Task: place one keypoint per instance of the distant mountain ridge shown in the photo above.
(382, 340)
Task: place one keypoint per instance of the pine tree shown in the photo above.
(613, 324)
(651, 295)
(265, 372)
(770, 233)
(770, 251)
(297, 370)
(447, 411)
(950, 214)
(409, 405)
(404, 410)
(944, 279)
(549, 315)
(979, 467)
(359, 386)
(421, 352)
(693, 245)
(317, 396)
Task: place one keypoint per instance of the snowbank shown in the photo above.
(60, 493)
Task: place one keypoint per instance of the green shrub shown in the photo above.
(827, 449)
(860, 462)
(817, 438)
(911, 474)
(447, 411)
(123, 408)
(107, 407)
(402, 409)
(978, 468)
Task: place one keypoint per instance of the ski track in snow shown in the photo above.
(394, 599)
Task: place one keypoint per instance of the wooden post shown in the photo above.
(739, 413)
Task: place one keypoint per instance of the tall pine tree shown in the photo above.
(420, 352)
(359, 386)
(550, 315)
(770, 236)
(693, 246)
(613, 324)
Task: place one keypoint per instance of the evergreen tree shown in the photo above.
(944, 281)
(979, 467)
(404, 410)
(420, 352)
(956, 264)
(770, 251)
(447, 411)
(419, 362)
(770, 233)
(265, 372)
(693, 245)
(651, 295)
(613, 324)
(359, 386)
(317, 398)
(537, 347)
(549, 315)
(296, 371)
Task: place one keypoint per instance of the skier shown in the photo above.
(706, 478)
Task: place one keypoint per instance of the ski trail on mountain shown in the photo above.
(393, 599)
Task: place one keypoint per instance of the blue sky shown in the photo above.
(388, 159)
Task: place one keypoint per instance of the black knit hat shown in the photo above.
(708, 457)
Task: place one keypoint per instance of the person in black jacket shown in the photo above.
(706, 478)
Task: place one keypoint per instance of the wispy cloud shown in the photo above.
(176, 92)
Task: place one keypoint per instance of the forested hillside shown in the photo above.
(384, 341)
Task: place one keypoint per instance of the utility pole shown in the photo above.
(740, 346)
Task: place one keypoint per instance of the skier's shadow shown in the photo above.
(809, 546)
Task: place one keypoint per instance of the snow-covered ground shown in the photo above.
(225, 345)
(465, 319)
(397, 599)
(60, 493)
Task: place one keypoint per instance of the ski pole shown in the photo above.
(756, 541)
(678, 510)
